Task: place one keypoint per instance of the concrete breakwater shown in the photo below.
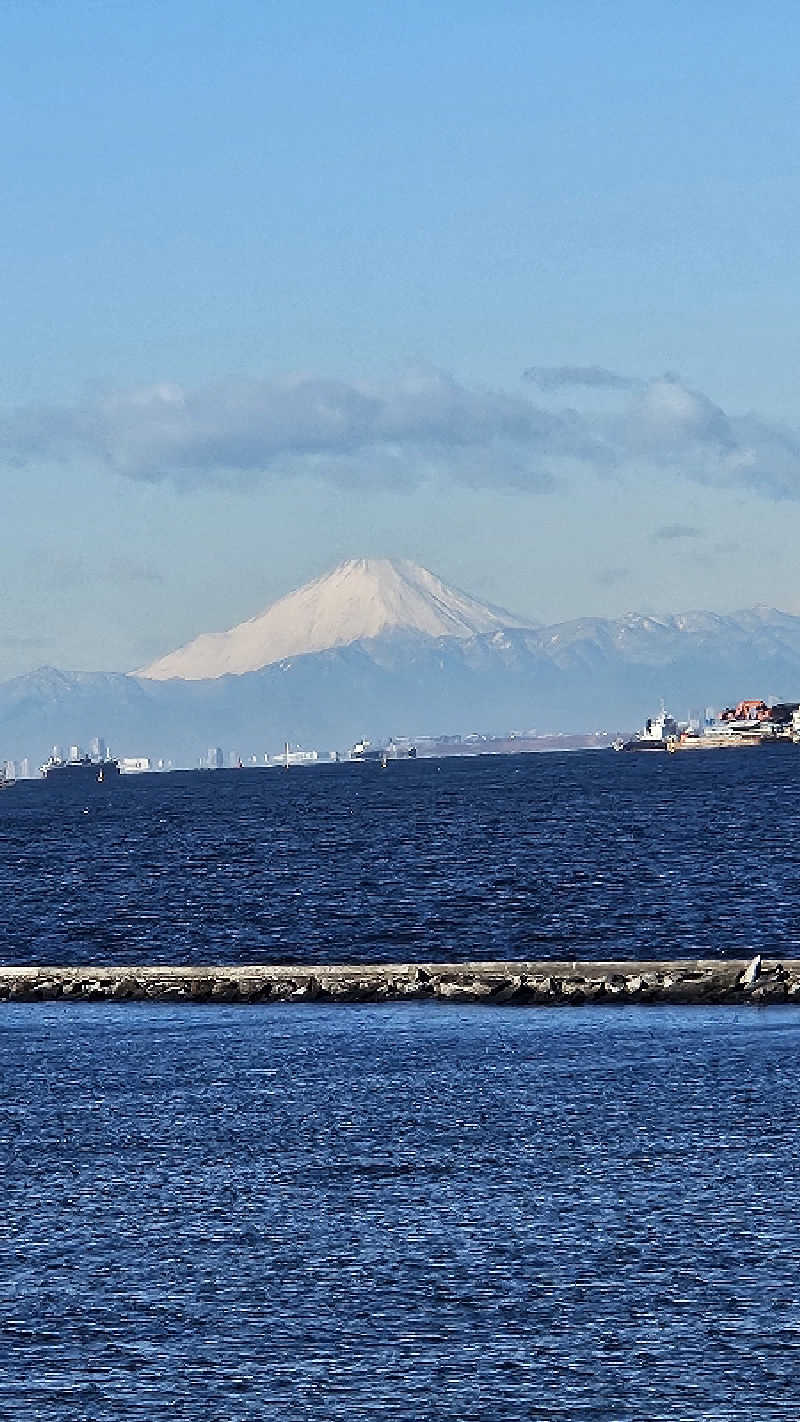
(702, 981)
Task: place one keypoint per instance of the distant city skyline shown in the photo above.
(509, 291)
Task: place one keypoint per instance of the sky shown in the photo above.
(508, 289)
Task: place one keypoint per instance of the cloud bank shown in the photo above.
(587, 377)
(242, 430)
(425, 426)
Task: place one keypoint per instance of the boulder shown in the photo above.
(751, 972)
(509, 991)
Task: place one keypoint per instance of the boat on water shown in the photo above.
(713, 739)
(654, 736)
(82, 771)
(365, 750)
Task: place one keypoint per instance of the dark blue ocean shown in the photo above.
(402, 1211)
(399, 1212)
(590, 855)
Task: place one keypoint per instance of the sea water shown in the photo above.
(590, 855)
(405, 1211)
(398, 1212)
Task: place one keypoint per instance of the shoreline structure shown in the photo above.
(702, 981)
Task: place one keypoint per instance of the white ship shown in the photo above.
(654, 736)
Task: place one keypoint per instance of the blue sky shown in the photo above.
(272, 276)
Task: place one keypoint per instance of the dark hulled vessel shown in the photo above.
(80, 772)
(656, 736)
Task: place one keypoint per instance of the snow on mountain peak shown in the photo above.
(361, 598)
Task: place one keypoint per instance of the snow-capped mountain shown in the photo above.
(379, 649)
(361, 599)
(667, 638)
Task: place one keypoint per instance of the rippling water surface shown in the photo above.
(592, 855)
(407, 1212)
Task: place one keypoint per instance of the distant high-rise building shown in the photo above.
(98, 749)
(74, 752)
(216, 758)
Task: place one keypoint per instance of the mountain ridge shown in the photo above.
(578, 676)
(359, 599)
(406, 684)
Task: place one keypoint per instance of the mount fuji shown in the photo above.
(383, 648)
(361, 599)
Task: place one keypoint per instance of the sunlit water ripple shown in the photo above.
(591, 855)
(398, 1212)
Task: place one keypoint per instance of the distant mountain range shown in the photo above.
(382, 648)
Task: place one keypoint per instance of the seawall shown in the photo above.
(701, 981)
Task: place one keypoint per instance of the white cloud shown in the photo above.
(247, 429)
(427, 426)
(587, 377)
(666, 417)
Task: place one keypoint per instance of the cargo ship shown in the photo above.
(82, 771)
(364, 750)
(655, 735)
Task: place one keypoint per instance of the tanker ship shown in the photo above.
(82, 771)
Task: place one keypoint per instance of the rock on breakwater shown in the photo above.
(702, 981)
